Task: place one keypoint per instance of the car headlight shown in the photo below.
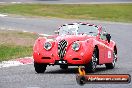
(75, 46)
(47, 45)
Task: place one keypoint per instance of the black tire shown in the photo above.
(91, 66)
(64, 67)
(112, 65)
(39, 67)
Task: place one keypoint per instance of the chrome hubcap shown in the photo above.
(94, 61)
(114, 59)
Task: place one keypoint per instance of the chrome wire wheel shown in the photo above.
(94, 61)
(114, 59)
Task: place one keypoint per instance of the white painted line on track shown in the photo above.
(16, 2)
(2, 2)
(17, 62)
(33, 87)
(46, 35)
(9, 63)
(2, 28)
(3, 15)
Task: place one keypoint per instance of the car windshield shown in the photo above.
(89, 30)
(68, 30)
(78, 29)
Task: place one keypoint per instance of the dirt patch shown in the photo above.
(17, 38)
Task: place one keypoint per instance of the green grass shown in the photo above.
(16, 44)
(109, 12)
(8, 52)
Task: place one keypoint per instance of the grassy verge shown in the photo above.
(12, 52)
(14, 44)
(110, 12)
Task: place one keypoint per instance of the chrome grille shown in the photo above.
(62, 48)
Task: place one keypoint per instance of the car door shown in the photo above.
(107, 52)
(103, 47)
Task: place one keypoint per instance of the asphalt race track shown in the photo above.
(25, 76)
(65, 1)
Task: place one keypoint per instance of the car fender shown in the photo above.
(89, 43)
(39, 44)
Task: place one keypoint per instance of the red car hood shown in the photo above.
(72, 38)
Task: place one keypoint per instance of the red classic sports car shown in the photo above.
(76, 44)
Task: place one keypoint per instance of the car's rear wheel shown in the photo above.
(112, 65)
(39, 67)
(64, 67)
(91, 66)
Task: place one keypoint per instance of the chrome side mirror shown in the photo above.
(56, 32)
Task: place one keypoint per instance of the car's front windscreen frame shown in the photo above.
(68, 30)
(89, 30)
(78, 29)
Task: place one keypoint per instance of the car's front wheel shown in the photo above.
(39, 67)
(91, 66)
